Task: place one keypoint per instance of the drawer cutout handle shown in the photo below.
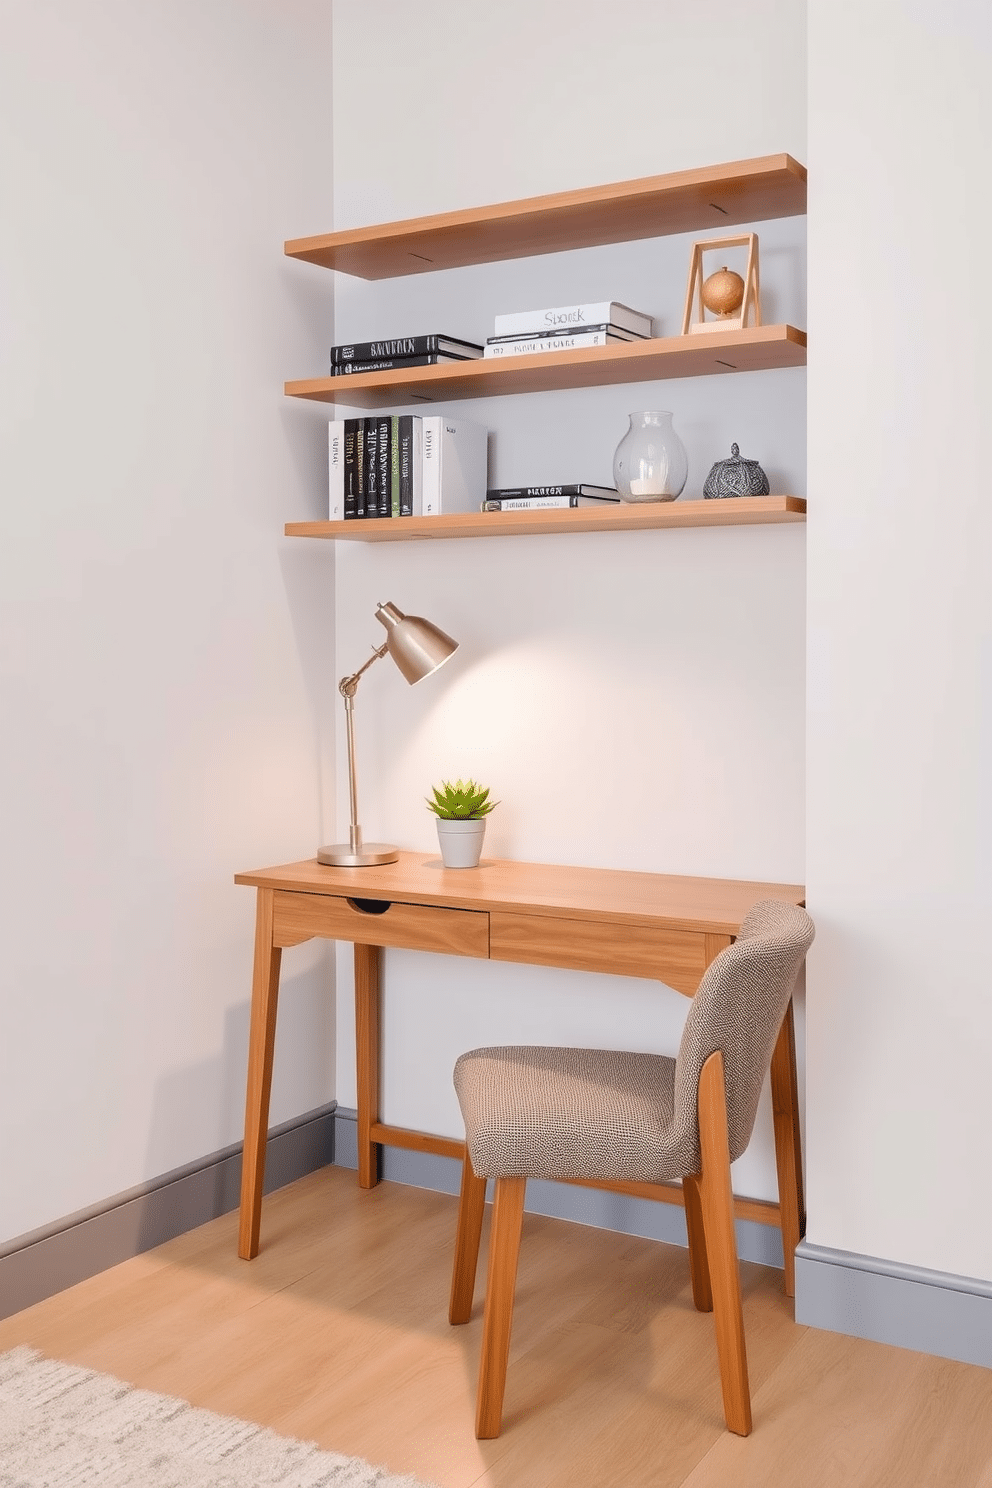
(371, 906)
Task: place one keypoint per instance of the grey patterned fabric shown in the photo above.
(542, 1112)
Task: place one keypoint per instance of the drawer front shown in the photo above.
(415, 927)
(676, 957)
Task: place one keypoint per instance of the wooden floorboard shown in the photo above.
(338, 1333)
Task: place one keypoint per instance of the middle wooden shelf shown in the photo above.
(754, 350)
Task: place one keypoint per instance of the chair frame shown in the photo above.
(713, 1264)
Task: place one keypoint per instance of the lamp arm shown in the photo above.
(347, 687)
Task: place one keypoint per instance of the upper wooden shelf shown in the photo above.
(752, 350)
(651, 207)
(739, 511)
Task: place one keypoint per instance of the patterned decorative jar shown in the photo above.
(650, 463)
(735, 477)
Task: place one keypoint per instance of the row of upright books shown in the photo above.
(405, 465)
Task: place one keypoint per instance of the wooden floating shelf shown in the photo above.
(740, 511)
(754, 350)
(651, 207)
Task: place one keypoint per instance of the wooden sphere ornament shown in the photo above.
(733, 301)
(723, 292)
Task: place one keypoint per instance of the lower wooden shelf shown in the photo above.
(740, 511)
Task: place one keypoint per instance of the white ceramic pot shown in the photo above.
(461, 841)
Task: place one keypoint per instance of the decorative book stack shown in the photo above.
(537, 498)
(565, 327)
(402, 351)
(405, 465)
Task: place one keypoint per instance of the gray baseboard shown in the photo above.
(930, 1311)
(588, 1206)
(46, 1261)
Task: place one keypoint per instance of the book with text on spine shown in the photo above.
(535, 345)
(536, 498)
(402, 346)
(455, 465)
(393, 364)
(573, 318)
(617, 332)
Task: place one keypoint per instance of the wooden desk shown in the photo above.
(652, 925)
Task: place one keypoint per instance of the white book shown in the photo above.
(335, 470)
(573, 317)
(455, 465)
(532, 345)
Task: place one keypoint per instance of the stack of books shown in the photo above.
(536, 498)
(402, 351)
(405, 465)
(601, 323)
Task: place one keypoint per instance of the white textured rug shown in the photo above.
(64, 1427)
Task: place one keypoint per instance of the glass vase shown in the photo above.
(650, 463)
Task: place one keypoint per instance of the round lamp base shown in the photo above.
(342, 855)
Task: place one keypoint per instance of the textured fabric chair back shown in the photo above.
(739, 1008)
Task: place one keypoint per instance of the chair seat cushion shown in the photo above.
(543, 1112)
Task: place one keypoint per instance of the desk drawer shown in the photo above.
(675, 957)
(415, 927)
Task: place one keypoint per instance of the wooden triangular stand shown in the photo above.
(750, 310)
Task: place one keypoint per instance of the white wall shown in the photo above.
(634, 700)
(162, 648)
(900, 670)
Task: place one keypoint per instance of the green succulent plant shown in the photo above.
(463, 801)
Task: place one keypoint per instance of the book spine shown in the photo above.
(528, 503)
(571, 318)
(371, 467)
(390, 364)
(361, 496)
(335, 470)
(417, 466)
(394, 465)
(583, 330)
(515, 493)
(385, 472)
(374, 351)
(405, 464)
(350, 476)
(432, 465)
(531, 345)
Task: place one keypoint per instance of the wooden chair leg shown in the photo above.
(717, 1205)
(471, 1208)
(699, 1266)
(504, 1248)
(788, 1146)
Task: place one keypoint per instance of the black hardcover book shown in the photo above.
(350, 472)
(406, 464)
(518, 493)
(390, 364)
(616, 333)
(385, 466)
(402, 346)
(371, 467)
(361, 497)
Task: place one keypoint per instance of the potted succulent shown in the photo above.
(460, 810)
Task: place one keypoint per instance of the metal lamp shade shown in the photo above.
(417, 647)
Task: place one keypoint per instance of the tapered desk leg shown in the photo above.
(261, 1043)
(367, 1008)
(788, 1146)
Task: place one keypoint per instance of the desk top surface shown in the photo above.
(713, 905)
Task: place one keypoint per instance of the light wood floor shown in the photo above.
(338, 1333)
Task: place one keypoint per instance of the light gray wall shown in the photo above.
(634, 700)
(900, 621)
(161, 647)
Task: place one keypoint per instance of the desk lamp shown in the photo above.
(418, 648)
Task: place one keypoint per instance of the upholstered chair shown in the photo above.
(601, 1114)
